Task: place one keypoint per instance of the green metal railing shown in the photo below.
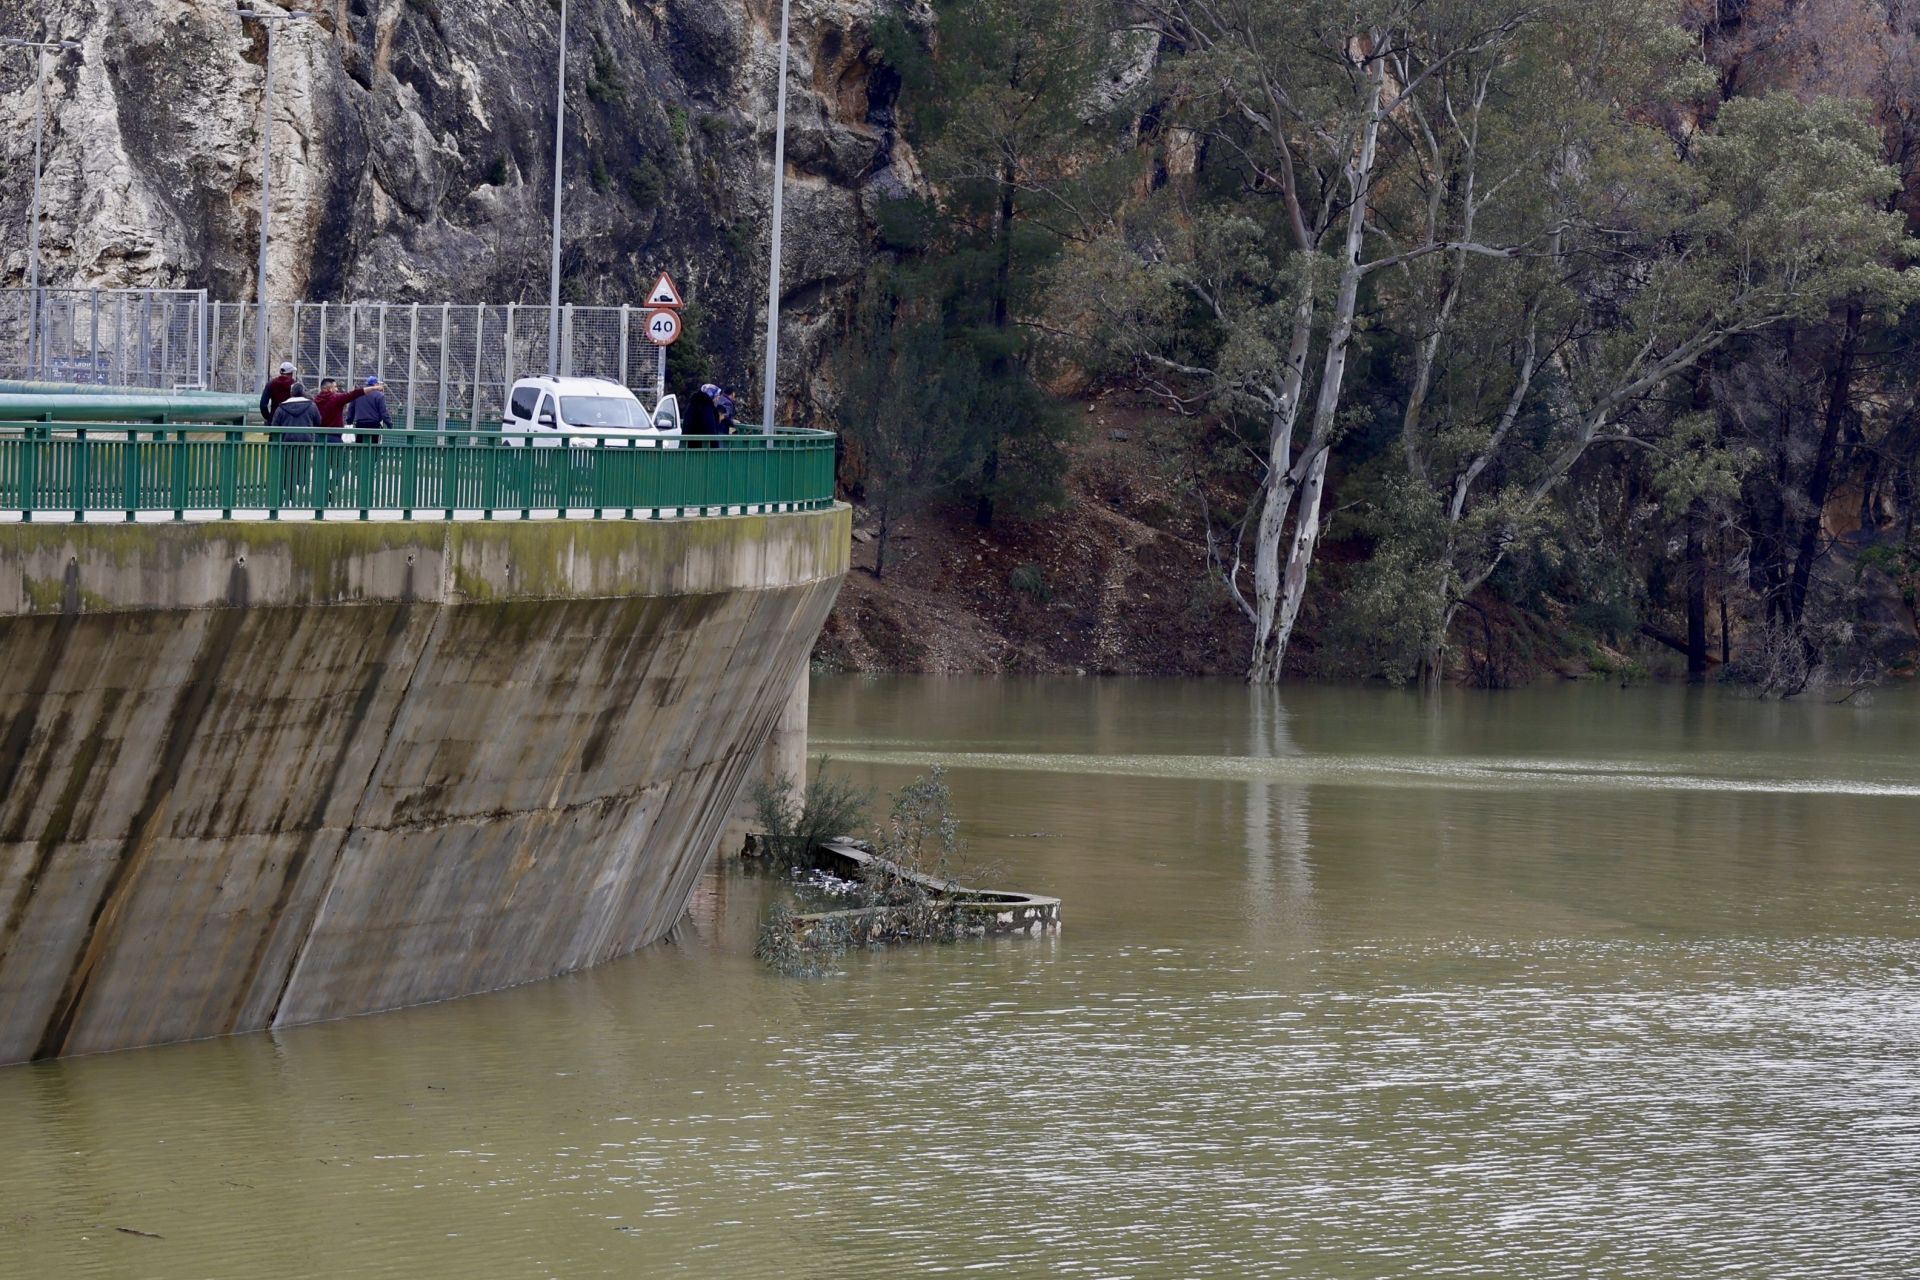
(195, 473)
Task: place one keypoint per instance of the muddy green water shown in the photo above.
(1569, 982)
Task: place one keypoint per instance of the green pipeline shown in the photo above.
(121, 406)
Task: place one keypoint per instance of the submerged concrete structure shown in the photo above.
(260, 774)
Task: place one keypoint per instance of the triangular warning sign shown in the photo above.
(663, 293)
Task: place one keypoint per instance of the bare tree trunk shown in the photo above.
(1696, 597)
(1306, 536)
(1279, 489)
(1273, 629)
(1433, 663)
(1820, 483)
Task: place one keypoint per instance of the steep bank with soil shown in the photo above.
(1114, 583)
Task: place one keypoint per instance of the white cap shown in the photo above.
(286, 366)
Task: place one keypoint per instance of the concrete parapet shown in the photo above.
(255, 775)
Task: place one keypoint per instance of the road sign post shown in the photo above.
(662, 325)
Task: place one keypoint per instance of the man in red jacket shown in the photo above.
(332, 403)
(276, 391)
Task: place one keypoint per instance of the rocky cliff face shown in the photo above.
(413, 144)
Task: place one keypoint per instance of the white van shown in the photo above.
(585, 409)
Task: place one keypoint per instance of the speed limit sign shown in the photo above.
(663, 327)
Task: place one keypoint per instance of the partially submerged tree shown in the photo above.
(1482, 188)
(1239, 288)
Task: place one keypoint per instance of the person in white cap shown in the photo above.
(275, 393)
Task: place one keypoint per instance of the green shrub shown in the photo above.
(795, 821)
(1030, 580)
(646, 184)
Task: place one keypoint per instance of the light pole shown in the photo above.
(771, 376)
(559, 147)
(40, 50)
(269, 17)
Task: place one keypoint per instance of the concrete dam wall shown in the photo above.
(253, 775)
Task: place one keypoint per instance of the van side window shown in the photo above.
(523, 400)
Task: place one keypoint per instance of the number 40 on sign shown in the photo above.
(663, 327)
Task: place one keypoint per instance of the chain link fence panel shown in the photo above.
(441, 362)
(147, 338)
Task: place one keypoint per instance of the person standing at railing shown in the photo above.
(332, 403)
(702, 418)
(298, 413)
(724, 406)
(297, 416)
(275, 393)
(370, 412)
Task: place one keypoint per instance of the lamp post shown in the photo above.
(269, 17)
(771, 374)
(559, 148)
(40, 50)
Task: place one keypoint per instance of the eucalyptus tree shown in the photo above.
(1630, 257)
(1240, 286)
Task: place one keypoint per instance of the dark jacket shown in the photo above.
(274, 393)
(725, 407)
(702, 419)
(333, 406)
(297, 411)
(369, 411)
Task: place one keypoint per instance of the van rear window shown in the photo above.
(523, 401)
(601, 411)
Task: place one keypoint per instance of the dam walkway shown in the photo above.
(126, 472)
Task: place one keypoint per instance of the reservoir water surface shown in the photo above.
(1567, 982)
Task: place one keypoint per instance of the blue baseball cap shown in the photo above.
(374, 381)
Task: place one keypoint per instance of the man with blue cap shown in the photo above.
(370, 413)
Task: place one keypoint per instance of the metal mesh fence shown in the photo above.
(150, 338)
(440, 361)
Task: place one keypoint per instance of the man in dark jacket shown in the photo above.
(370, 412)
(299, 413)
(332, 403)
(276, 391)
(298, 417)
(701, 419)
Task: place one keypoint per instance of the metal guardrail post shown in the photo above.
(379, 369)
(130, 476)
(413, 356)
(479, 332)
(508, 346)
(624, 313)
(446, 315)
(178, 455)
(203, 369)
(229, 478)
(566, 341)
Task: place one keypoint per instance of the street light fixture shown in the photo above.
(559, 146)
(771, 374)
(269, 17)
(40, 49)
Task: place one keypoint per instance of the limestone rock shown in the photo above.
(413, 150)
